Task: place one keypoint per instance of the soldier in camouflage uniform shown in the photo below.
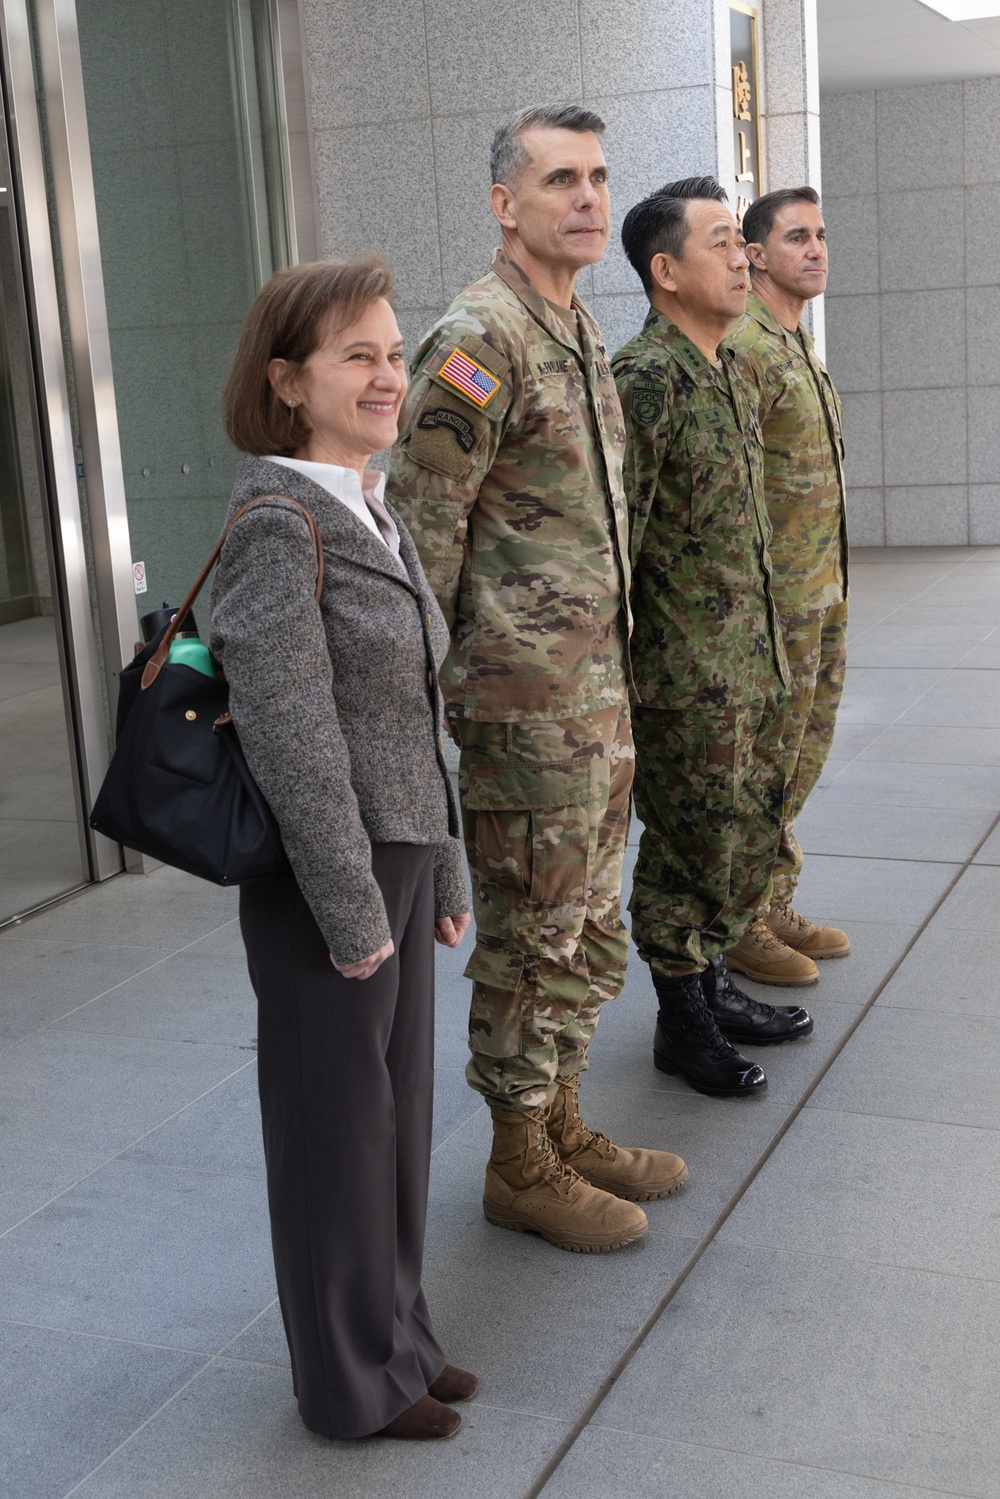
(707, 656)
(804, 492)
(508, 472)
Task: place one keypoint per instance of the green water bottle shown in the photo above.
(187, 650)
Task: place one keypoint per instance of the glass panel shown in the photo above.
(40, 849)
(184, 136)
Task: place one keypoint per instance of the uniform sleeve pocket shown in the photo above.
(521, 786)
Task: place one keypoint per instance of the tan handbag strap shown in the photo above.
(154, 663)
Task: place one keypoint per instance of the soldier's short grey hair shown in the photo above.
(508, 157)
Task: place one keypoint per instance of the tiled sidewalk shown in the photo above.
(817, 1316)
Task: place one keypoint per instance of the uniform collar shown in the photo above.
(684, 351)
(511, 275)
(758, 309)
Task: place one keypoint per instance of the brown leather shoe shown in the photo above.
(426, 1421)
(763, 956)
(806, 937)
(636, 1175)
(528, 1189)
(453, 1385)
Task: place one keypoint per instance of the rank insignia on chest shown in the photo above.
(647, 403)
(469, 377)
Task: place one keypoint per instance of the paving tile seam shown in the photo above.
(624, 1359)
(515, 1410)
(107, 1337)
(457, 1130)
(112, 1035)
(954, 931)
(60, 821)
(67, 897)
(198, 1374)
(118, 1153)
(233, 1361)
(815, 853)
(16, 697)
(252, 1323)
(903, 1118)
(58, 900)
(67, 943)
(908, 600)
(241, 1173)
(786, 1462)
(863, 1260)
(984, 1129)
(175, 952)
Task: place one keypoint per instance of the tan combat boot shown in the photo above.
(805, 936)
(528, 1189)
(764, 957)
(637, 1175)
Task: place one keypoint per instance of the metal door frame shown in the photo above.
(99, 632)
(82, 673)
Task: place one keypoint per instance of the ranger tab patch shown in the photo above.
(465, 433)
(469, 377)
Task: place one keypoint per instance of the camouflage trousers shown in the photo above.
(546, 812)
(709, 789)
(817, 661)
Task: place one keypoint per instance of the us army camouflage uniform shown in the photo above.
(708, 662)
(804, 492)
(512, 491)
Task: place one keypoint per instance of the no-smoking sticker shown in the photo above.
(139, 576)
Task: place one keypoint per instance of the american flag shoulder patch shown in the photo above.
(469, 377)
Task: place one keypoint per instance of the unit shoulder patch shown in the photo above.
(647, 402)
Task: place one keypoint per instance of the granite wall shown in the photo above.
(912, 202)
(402, 115)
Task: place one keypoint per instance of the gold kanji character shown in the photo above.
(741, 92)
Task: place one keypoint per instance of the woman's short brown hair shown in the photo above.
(291, 316)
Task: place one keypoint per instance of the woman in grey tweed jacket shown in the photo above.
(337, 708)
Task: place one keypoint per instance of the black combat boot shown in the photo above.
(743, 1019)
(689, 1042)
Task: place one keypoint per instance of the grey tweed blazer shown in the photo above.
(336, 706)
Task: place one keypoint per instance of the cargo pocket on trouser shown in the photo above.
(529, 838)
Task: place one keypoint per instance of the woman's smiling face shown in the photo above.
(350, 389)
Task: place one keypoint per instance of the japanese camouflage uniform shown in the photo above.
(508, 473)
(804, 492)
(708, 661)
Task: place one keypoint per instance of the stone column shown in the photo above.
(791, 110)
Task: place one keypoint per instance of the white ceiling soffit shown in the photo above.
(889, 43)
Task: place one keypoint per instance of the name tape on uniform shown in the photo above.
(469, 377)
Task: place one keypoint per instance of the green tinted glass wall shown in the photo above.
(184, 206)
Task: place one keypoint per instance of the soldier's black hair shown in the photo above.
(508, 158)
(758, 221)
(659, 225)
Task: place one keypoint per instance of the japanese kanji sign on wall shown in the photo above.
(746, 108)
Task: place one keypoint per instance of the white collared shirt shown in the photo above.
(365, 499)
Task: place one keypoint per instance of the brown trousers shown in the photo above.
(346, 1089)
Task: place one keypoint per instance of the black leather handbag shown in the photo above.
(178, 787)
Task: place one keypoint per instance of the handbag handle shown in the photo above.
(155, 662)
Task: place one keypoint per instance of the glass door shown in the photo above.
(42, 851)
